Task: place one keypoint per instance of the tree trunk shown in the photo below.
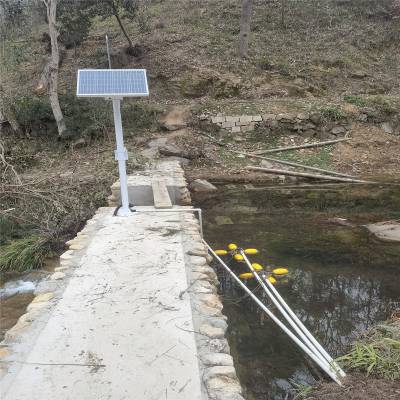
(122, 26)
(51, 6)
(244, 34)
(7, 114)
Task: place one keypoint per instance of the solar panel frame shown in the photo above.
(120, 94)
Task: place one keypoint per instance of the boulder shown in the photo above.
(387, 127)
(201, 185)
(337, 130)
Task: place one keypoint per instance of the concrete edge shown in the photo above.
(47, 294)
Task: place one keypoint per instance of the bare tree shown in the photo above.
(53, 65)
(245, 20)
(283, 13)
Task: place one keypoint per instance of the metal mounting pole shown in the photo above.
(121, 154)
(108, 52)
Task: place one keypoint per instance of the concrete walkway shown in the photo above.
(121, 329)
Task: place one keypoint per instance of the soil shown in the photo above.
(358, 387)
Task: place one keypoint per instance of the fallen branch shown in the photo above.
(303, 146)
(293, 164)
(306, 175)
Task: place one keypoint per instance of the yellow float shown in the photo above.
(250, 251)
(221, 252)
(257, 267)
(232, 246)
(272, 280)
(238, 257)
(246, 275)
(280, 271)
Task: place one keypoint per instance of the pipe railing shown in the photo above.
(316, 358)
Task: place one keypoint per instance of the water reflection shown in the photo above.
(342, 280)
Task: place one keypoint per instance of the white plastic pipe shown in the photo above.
(295, 318)
(276, 320)
(121, 155)
(295, 323)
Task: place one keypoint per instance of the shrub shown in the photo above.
(34, 114)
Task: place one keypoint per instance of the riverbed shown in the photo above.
(342, 279)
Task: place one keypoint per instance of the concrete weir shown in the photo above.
(131, 313)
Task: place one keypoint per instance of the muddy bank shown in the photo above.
(357, 386)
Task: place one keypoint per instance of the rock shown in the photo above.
(387, 127)
(303, 116)
(182, 161)
(198, 260)
(269, 117)
(315, 117)
(337, 130)
(387, 231)
(201, 185)
(358, 74)
(79, 143)
(308, 133)
(170, 149)
(218, 371)
(290, 118)
(340, 221)
(266, 164)
(211, 331)
(363, 117)
(212, 300)
(44, 297)
(309, 125)
(219, 346)
(223, 220)
(213, 359)
(57, 276)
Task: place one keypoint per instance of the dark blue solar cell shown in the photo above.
(112, 82)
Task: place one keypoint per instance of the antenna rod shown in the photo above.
(108, 52)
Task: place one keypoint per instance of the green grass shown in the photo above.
(356, 100)
(24, 254)
(378, 354)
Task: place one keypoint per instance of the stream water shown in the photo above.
(17, 291)
(342, 280)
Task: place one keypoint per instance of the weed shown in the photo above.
(356, 100)
(302, 391)
(24, 254)
(333, 113)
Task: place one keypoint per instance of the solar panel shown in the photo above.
(112, 83)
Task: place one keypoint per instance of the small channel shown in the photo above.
(17, 291)
(342, 279)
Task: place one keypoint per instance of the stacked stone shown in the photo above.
(216, 364)
(237, 123)
(303, 124)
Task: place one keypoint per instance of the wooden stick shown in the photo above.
(306, 175)
(303, 146)
(293, 164)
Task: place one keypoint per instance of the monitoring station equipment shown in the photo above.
(115, 84)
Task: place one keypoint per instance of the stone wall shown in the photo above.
(303, 124)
